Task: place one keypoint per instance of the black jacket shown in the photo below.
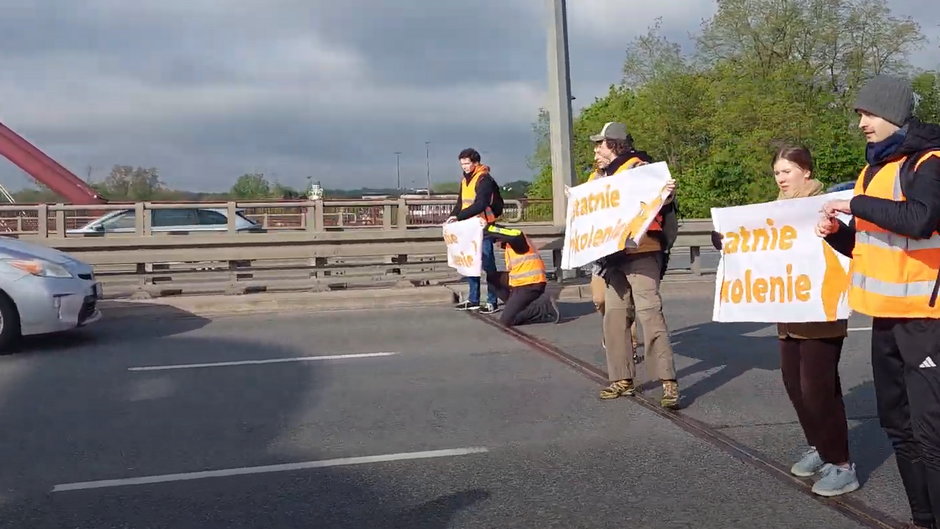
(918, 216)
(486, 188)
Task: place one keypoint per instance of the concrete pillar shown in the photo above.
(559, 109)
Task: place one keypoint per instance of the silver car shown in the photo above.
(165, 220)
(42, 291)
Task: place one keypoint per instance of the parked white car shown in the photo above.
(42, 291)
(165, 220)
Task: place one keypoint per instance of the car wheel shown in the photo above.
(9, 324)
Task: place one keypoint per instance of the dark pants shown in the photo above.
(488, 261)
(810, 370)
(521, 305)
(904, 355)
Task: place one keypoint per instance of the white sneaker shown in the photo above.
(808, 465)
(836, 480)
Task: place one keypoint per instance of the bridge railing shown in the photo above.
(291, 260)
(56, 220)
(313, 245)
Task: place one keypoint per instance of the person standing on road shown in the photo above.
(522, 286)
(809, 359)
(599, 284)
(636, 272)
(477, 198)
(895, 250)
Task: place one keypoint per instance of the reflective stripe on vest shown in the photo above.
(897, 242)
(892, 276)
(898, 290)
(468, 195)
(525, 269)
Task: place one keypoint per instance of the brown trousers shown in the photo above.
(637, 275)
(598, 293)
(810, 370)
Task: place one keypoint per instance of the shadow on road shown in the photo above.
(437, 513)
(80, 415)
(725, 348)
(148, 322)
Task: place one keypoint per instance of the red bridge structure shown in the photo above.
(46, 170)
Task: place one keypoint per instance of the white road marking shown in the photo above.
(258, 362)
(859, 329)
(344, 461)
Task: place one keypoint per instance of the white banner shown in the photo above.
(773, 267)
(464, 241)
(612, 213)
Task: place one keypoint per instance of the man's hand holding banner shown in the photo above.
(464, 241)
(774, 268)
(610, 214)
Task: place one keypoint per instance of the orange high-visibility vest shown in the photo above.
(525, 269)
(468, 194)
(657, 224)
(892, 276)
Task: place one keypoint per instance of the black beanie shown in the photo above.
(887, 97)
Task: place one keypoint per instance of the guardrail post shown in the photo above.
(231, 211)
(402, 214)
(59, 220)
(42, 212)
(695, 260)
(387, 217)
(313, 216)
(147, 216)
(139, 219)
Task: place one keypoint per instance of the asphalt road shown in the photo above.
(439, 422)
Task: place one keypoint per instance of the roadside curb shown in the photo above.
(218, 305)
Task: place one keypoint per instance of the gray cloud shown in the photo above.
(206, 91)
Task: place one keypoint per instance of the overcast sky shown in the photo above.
(207, 91)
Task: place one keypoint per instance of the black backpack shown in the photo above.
(496, 204)
(670, 213)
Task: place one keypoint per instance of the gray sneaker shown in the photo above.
(836, 480)
(808, 465)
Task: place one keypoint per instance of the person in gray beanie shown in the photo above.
(895, 278)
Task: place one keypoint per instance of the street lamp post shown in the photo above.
(559, 85)
(427, 157)
(398, 168)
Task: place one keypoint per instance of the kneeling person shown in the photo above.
(522, 287)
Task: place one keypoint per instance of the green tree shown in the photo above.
(132, 183)
(283, 192)
(763, 73)
(927, 90)
(251, 186)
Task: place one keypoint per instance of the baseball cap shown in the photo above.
(612, 131)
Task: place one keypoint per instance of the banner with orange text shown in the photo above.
(612, 213)
(773, 267)
(464, 241)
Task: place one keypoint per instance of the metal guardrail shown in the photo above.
(234, 263)
(55, 220)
